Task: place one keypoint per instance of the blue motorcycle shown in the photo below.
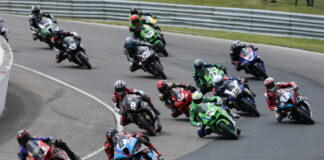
(252, 63)
(293, 106)
(128, 148)
(239, 97)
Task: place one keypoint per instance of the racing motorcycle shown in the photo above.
(142, 114)
(237, 96)
(182, 99)
(130, 148)
(3, 31)
(74, 53)
(218, 120)
(150, 62)
(210, 74)
(46, 26)
(153, 20)
(152, 36)
(38, 150)
(252, 62)
(294, 106)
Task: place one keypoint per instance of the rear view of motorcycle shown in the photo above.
(142, 114)
(75, 53)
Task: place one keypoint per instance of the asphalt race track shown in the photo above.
(83, 127)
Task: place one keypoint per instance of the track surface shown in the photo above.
(262, 138)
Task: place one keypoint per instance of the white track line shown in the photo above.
(117, 116)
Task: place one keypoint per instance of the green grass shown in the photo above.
(281, 5)
(298, 43)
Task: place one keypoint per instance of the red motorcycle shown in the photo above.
(182, 99)
(38, 150)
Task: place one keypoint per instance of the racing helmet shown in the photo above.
(162, 86)
(58, 32)
(218, 81)
(111, 133)
(198, 64)
(119, 87)
(270, 84)
(135, 20)
(23, 136)
(197, 97)
(237, 44)
(130, 44)
(35, 9)
(135, 11)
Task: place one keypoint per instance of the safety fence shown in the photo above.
(215, 18)
(6, 59)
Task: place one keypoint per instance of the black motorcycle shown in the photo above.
(150, 62)
(142, 114)
(74, 52)
(3, 31)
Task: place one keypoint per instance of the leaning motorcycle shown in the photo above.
(238, 98)
(3, 31)
(74, 53)
(142, 114)
(154, 21)
(47, 31)
(128, 147)
(294, 106)
(153, 37)
(150, 62)
(218, 120)
(252, 62)
(38, 150)
(182, 99)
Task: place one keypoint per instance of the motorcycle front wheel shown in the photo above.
(146, 125)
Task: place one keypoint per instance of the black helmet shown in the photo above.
(130, 44)
(135, 11)
(58, 32)
(35, 9)
(23, 136)
(111, 133)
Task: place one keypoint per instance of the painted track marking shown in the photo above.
(117, 116)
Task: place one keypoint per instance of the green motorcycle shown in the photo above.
(47, 31)
(152, 36)
(218, 120)
(210, 74)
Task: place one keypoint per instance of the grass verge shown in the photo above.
(298, 43)
(280, 5)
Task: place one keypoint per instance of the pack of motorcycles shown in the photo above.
(213, 116)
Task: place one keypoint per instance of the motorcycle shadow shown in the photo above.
(220, 138)
(75, 67)
(254, 78)
(146, 77)
(181, 119)
(245, 114)
(289, 122)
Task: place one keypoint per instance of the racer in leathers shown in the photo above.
(120, 91)
(222, 83)
(135, 26)
(200, 69)
(35, 17)
(197, 100)
(270, 94)
(140, 13)
(131, 50)
(23, 136)
(112, 136)
(165, 94)
(57, 40)
(235, 52)
(218, 89)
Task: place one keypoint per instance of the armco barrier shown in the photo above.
(216, 18)
(5, 67)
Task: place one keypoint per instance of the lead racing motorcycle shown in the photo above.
(252, 62)
(152, 36)
(38, 150)
(294, 106)
(150, 62)
(154, 21)
(182, 99)
(218, 120)
(129, 148)
(142, 114)
(74, 52)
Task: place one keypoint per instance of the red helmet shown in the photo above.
(162, 85)
(270, 84)
(135, 20)
(23, 136)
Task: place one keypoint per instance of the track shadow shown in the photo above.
(181, 119)
(76, 67)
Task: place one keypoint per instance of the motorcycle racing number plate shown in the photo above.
(133, 105)
(72, 46)
(180, 97)
(210, 113)
(150, 34)
(121, 144)
(146, 54)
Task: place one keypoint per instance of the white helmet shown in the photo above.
(218, 81)
(197, 97)
(119, 87)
